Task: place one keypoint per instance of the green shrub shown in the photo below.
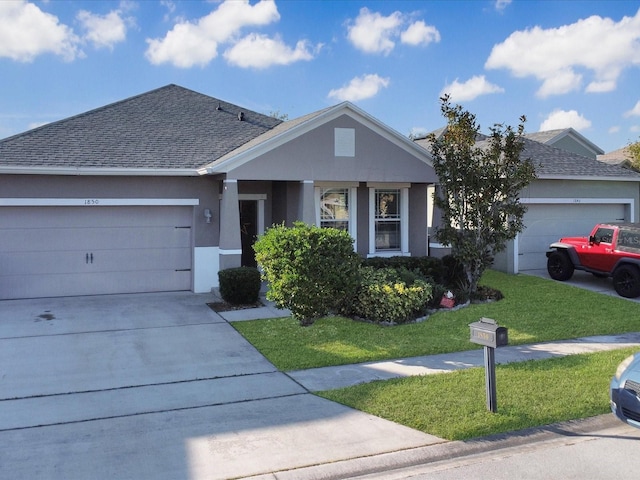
(312, 271)
(428, 267)
(384, 297)
(240, 285)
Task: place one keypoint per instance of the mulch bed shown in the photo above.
(228, 307)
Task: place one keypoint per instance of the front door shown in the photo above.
(248, 231)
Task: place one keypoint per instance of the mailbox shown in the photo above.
(488, 333)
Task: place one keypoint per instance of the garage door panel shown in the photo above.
(60, 285)
(547, 223)
(85, 217)
(59, 251)
(78, 239)
(35, 263)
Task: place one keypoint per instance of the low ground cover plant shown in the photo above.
(453, 405)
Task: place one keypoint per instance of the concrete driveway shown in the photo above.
(159, 386)
(585, 281)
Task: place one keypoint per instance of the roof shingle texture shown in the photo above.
(168, 128)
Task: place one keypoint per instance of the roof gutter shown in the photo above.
(587, 178)
(95, 171)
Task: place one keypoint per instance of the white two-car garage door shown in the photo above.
(61, 251)
(546, 223)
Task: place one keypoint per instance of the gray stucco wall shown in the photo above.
(206, 189)
(311, 156)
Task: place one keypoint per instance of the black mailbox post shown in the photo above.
(488, 333)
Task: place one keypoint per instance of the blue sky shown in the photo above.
(561, 63)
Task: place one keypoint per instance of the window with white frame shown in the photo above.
(336, 207)
(389, 220)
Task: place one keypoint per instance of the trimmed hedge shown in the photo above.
(240, 285)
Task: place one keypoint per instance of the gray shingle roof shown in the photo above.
(168, 128)
(552, 162)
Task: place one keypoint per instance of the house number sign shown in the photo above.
(92, 201)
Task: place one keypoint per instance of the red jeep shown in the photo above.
(612, 250)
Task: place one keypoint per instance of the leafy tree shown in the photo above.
(481, 178)
(633, 152)
(311, 271)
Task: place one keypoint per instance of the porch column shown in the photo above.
(230, 243)
(306, 207)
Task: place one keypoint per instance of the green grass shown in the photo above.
(529, 394)
(534, 310)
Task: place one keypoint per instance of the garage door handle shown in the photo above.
(88, 258)
(91, 257)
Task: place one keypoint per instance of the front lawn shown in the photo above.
(529, 394)
(533, 309)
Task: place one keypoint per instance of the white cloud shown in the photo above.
(104, 31)
(502, 4)
(260, 51)
(559, 119)
(472, 88)
(419, 33)
(614, 129)
(196, 43)
(599, 47)
(26, 32)
(372, 32)
(360, 88)
(634, 112)
(634, 128)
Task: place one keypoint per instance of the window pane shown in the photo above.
(387, 204)
(334, 208)
(388, 235)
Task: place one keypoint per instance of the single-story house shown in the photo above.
(160, 191)
(572, 192)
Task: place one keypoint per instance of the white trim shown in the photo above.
(236, 251)
(95, 202)
(97, 171)
(388, 185)
(206, 264)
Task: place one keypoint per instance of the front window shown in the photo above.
(334, 208)
(387, 219)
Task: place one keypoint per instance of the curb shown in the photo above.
(445, 451)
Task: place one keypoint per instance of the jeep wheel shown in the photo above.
(626, 281)
(559, 266)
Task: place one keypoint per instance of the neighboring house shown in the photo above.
(567, 139)
(621, 157)
(160, 191)
(571, 193)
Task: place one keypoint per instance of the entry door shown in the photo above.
(248, 231)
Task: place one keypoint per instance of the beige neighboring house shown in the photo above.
(619, 157)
